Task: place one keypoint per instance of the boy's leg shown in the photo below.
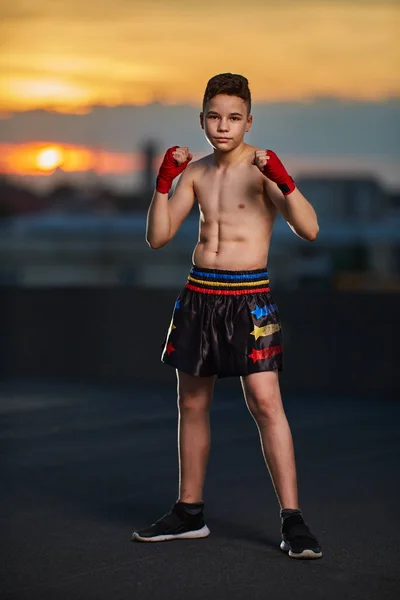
(194, 401)
(185, 520)
(264, 401)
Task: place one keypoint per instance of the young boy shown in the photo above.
(225, 321)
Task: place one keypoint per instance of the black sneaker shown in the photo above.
(298, 539)
(176, 524)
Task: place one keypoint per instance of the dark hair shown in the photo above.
(228, 83)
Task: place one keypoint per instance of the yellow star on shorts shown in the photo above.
(266, 330)
(171, 327)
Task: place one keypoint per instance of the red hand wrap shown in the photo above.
(169, 169)
(275, 171)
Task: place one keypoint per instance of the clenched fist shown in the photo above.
(182, 154)
(260, 159)
(271, 166)
(175, 161)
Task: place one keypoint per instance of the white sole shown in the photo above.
(187, 535)
(305, 554)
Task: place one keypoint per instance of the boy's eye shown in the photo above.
(216, 117)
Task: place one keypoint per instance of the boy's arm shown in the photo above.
(295, 209)
(283, 193)
(165, 216)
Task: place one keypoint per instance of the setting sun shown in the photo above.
(49, 158)
(42, 158)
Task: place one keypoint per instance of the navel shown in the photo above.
(242, 206)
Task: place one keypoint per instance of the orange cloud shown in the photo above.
(122, 53)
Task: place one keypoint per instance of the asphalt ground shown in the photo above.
(83, 466)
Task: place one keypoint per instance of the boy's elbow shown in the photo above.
(156, 245)
(312, 236)
(153, 245)
(312, 233)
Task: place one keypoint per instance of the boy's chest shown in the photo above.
(244, 184)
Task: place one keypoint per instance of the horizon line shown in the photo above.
(6, 113)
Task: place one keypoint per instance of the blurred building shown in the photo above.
(359, 242)
(345, 199)
(149, 176)
(16, 200)
(97, 237)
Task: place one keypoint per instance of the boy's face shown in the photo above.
(225, 121)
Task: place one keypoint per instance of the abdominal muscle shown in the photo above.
(236, 218)
(232, 248)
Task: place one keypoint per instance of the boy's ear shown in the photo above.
(249, 122)
(202, 120)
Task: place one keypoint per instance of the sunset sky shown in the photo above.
(69, 55)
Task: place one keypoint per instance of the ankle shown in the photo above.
(288, 512)
(190, 509)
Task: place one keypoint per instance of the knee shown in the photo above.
(193, 403)
(266, 407)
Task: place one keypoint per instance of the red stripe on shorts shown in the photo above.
(226, 292)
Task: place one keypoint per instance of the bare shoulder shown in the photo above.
(202, 162)
(252, 149)
(198, 167)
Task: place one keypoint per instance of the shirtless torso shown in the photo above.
(236, 214)
(238, 206)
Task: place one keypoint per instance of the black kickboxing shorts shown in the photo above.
(224, 323)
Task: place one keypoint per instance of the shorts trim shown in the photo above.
(226, 283)
(236, 283)
(236, 275)
(194, 288)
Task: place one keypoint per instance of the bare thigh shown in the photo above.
(194, 392)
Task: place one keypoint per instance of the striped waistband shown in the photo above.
(214, 281)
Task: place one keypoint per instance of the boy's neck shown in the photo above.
(225, 159)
